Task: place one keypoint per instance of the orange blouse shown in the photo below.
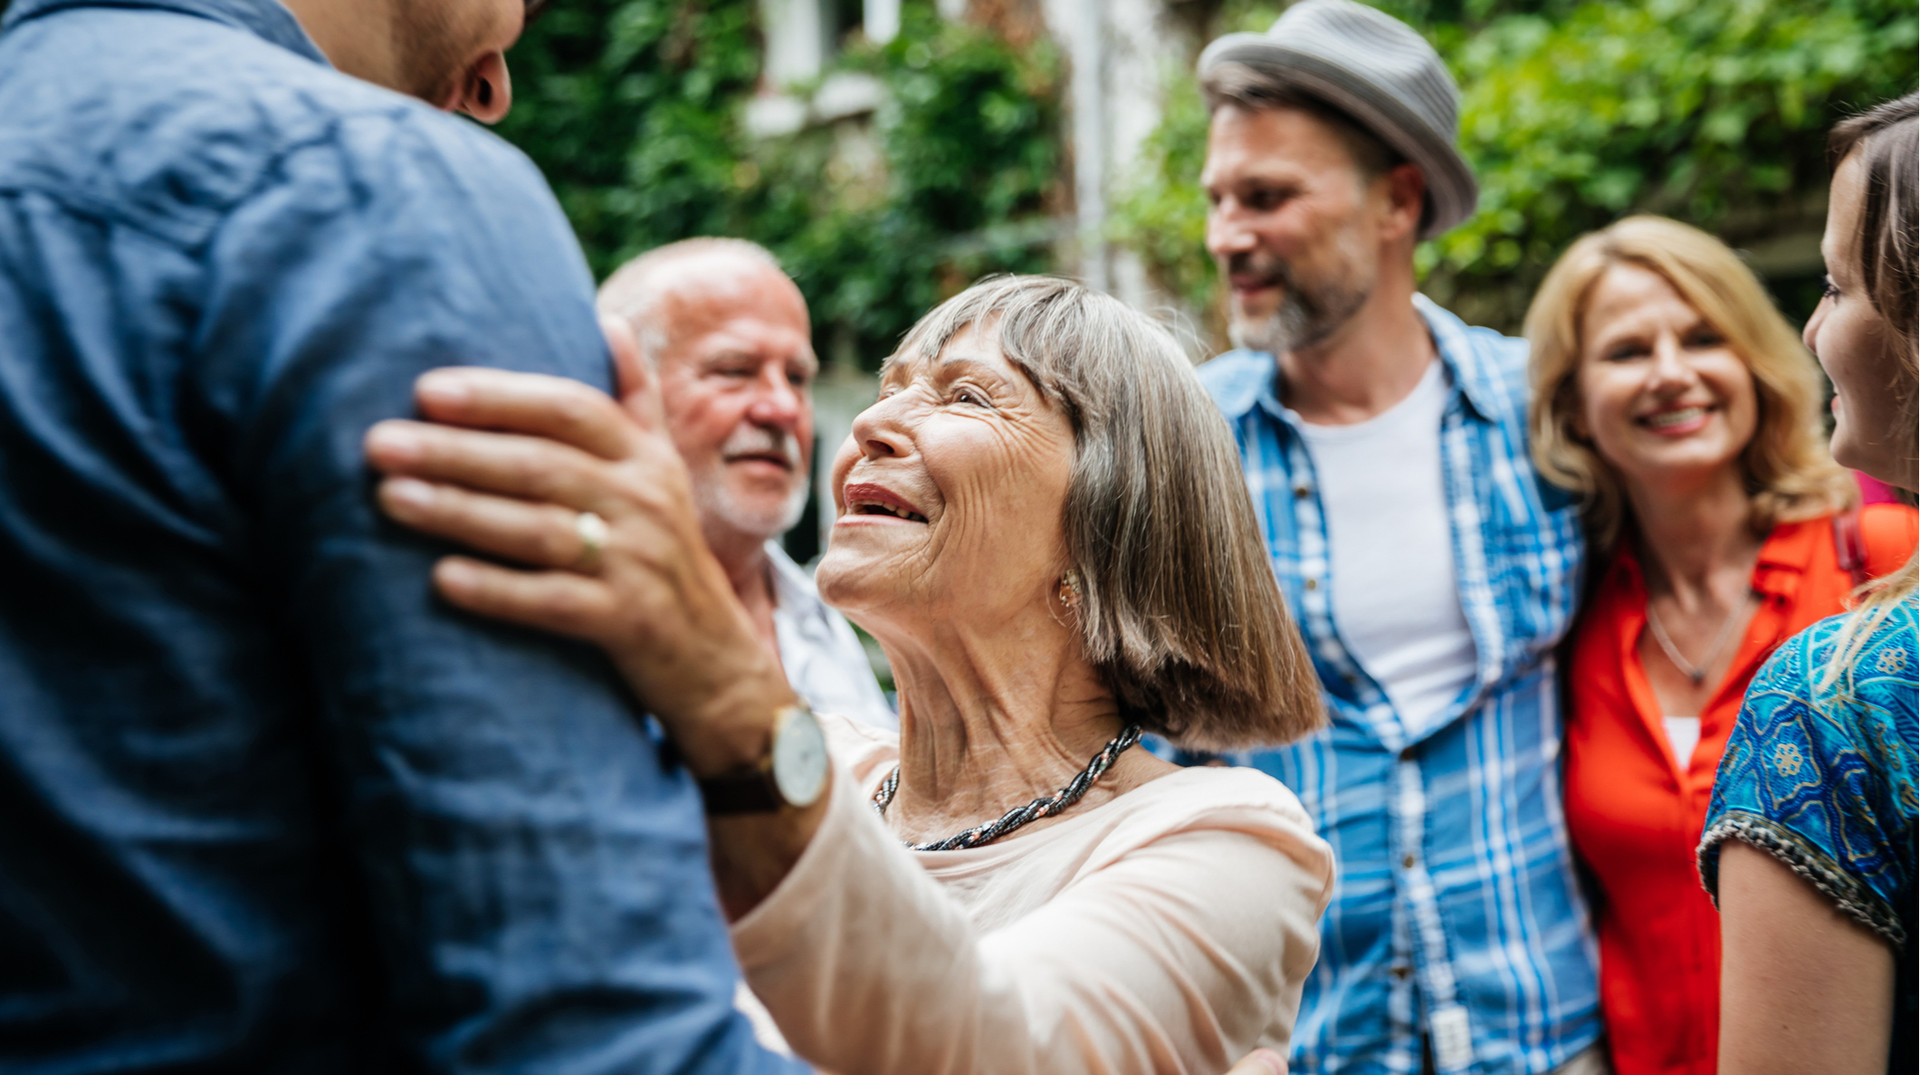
(1635, 815)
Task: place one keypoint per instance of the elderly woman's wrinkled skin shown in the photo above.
(662, 607)
(997, 706)
(948, 544)
(967, 441)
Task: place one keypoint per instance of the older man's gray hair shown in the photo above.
(637, 291)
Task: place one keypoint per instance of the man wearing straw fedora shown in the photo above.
(1385, 445)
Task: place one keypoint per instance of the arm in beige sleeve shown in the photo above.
(1178, 956)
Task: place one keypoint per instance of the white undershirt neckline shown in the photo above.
(1395, 597)
(1683, 734)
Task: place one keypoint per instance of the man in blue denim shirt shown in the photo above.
(264, 805)
(1430, 571)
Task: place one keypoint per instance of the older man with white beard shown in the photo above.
(729, 334)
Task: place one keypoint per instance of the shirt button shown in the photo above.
(1409, 862)
(1312, 584)
(1401, 970)
(1301, 492)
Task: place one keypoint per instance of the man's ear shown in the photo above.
(486, 91)
(1406, 188)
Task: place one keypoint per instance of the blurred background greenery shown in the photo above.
(635, 109)
(1574, 114)
(641, 113)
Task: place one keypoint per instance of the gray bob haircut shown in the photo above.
(1179, 609)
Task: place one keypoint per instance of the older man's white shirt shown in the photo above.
(824, 660)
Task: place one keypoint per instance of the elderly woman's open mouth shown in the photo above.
(866, 499)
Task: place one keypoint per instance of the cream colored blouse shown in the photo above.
(1167, 931)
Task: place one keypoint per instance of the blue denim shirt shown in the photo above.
(265, 805)
(1457, 916)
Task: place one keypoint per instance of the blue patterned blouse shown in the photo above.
(1824, 779)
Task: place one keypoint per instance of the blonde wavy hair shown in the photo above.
(1789, 474)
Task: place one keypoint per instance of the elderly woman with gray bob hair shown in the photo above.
(1042, 520)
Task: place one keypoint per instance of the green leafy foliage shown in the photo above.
(633, 108)
(1575, 113)
(969, 139)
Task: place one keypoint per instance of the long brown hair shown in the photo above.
(1888, 137)
(1888, 245)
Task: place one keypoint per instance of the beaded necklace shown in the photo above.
(1013, 819)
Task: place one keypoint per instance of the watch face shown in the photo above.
(800, 757)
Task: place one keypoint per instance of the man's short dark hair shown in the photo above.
(1237, 84)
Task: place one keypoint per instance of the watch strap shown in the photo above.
(756, 788)
(743, 791)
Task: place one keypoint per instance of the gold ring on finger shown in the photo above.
(592, 531)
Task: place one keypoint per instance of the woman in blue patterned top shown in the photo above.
(1809, 843)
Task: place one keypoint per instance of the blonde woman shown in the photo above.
(1809, 845)
(1670, 395)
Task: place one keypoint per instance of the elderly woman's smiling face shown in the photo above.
(949, 493)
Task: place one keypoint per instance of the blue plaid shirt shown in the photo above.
(1456, 915)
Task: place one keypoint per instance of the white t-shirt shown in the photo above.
(1396, 603)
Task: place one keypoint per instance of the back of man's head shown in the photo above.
(449, 53)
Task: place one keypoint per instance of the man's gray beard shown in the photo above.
(719, 512)
(1299, 322)
(1277, 333)
(721, 515)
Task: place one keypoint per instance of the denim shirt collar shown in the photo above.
(1250, 375)
(265, 19)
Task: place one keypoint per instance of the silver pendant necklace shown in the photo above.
(1696, 673)
(1046, 806)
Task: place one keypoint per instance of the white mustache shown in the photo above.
(749, 439)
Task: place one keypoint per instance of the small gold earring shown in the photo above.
(1070, 588)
